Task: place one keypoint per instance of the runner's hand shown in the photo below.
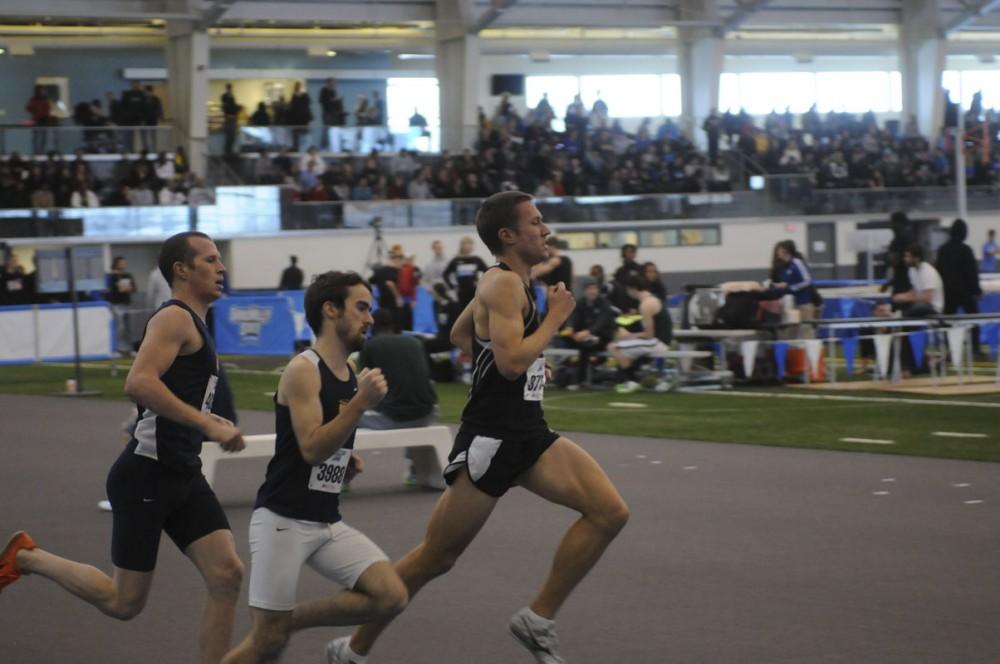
(560, 302)
(225, 433)
(371, 387)
(355, 467)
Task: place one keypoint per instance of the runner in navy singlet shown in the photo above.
(504, 441)
(156, 485)
(296, 520)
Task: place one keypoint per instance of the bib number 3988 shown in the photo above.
(328, 476)
(534, 383)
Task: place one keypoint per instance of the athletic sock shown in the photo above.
(355, 657)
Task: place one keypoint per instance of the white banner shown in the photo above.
(53, 337)
(882, 345)
(956, 344)
(814, 350)
(749, 351)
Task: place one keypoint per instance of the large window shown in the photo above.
(404, 96)
(627, 96)
(852, 92)
(970, 81)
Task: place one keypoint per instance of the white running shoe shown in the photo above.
(540, 640)
(104, 506)
(628, 387)
(338, 651)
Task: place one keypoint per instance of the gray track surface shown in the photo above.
(733, 554)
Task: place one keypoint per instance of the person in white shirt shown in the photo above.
(926, 298)
(164, 168)
(169, 195)
(312, 162)
(83, 197)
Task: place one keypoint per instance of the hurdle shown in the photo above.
(431, 446)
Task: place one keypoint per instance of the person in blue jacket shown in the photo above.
(797, 281)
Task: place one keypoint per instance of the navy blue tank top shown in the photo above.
(199, 381)
(293, 488)
(497, 405)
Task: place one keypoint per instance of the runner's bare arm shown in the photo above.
(504, 298)
(299, 390)
(170, 333)
(463, 329)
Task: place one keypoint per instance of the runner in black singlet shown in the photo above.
(296, 520)
(156, 485)
(504, 441)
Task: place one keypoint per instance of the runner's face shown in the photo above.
(205, 274)
(531, 234)
(355, 321)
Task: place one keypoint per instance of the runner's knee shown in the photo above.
(392, 599)
(270, 640)
(125, 609)
(611, 517)
(226, 576)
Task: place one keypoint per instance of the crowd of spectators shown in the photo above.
(843, 150)
(57, 182)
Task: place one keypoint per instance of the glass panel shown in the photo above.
(671, 85)
(579, 240)
(616, 239)
(561, 90)
(853, 92)
(667, 237)
(628, 96)
(761, 93)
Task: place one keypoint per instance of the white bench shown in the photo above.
(431, 446)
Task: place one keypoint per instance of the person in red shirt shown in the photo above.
(40, 110)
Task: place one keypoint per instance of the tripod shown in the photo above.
(377, 250)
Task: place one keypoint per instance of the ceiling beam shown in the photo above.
(101, 10)
(744, 11)
(497, 7)
(970, 15)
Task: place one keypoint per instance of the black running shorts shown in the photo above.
(146, 499)
(494, 463)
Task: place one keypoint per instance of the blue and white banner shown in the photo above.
(45, 332)
(252, 325)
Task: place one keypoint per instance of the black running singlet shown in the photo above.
(293, 488)
(197, 380)
(498, 405)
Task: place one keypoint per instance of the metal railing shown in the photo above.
(67, 139)
(267, 209)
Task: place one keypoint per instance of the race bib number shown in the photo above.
(206, 403)
(124, 285)
(534, 383)
(328, 476)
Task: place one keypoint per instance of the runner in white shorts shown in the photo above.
(296, 519)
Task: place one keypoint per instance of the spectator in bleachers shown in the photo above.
(198, 193)
(591, 327)
(230, 120)
(713, 127)
(312, 162)
(164, 168)
(299, 114)
(260, 117)
(12, 282)
(83, 197)
(142, 194)
(377, 110)
(990, 252)
(651, 275)
(152, 116)
(42, 197)
(419, 188)
(433, 272)
(419, 121)
(331, 105)
(39, 109)
(171, 194)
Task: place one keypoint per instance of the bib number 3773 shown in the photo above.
(328, 476)
(534, 383)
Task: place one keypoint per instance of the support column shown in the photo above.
(457, 65)
(187, 85)
(922, 49)
(699, 60)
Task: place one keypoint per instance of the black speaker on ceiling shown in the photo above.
(512, 84)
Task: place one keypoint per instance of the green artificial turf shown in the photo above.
(763, 417)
